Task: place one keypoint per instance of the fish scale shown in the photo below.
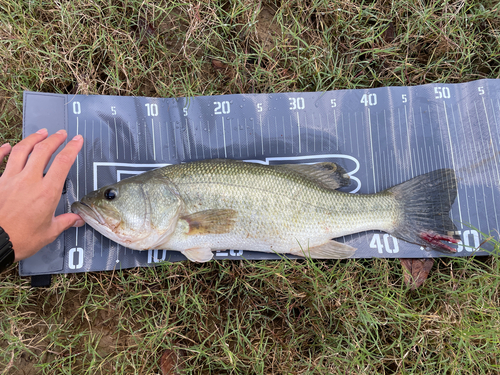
(277, 205)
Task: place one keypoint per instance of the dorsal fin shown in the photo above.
(327, 174)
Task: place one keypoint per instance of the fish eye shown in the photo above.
(110, 194)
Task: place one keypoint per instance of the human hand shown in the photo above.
(28, 199)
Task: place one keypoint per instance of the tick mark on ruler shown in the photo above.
(116, 137)
(154, 140)
(298, 131)
(224, 137)
(261, 134)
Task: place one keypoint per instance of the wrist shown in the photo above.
(7, 255)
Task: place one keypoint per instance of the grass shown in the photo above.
(249, 317)
(286, 317)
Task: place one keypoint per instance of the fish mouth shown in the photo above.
(87, 211)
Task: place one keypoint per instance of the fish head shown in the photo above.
(137, 213)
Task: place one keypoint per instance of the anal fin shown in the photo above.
(198, 254)
(330, 250)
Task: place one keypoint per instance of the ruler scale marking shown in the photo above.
(468, 151)
(77, 181)
(419, 162)
(232, 140)
(298, 131)
(481, 158)
(409, 141)
(371, 150)
(492, 144)
(452, 157)
(278, 138)
(161, 141)
(188, 139)
(484, 157)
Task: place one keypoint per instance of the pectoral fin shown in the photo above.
(211, 221)
(198, 254)
(329, 250)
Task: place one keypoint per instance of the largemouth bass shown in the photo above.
(203, 206)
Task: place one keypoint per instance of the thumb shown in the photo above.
(66, 221)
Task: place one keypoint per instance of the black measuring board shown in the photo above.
(381, 136)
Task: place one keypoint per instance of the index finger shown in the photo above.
(63, 161)
(21, 151)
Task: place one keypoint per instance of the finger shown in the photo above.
(43, 151)
(63, 161)
(66, 221)
(4, 151)
(20, 152)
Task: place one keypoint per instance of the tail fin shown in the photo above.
(426, 201)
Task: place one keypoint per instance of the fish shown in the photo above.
(200, 207)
